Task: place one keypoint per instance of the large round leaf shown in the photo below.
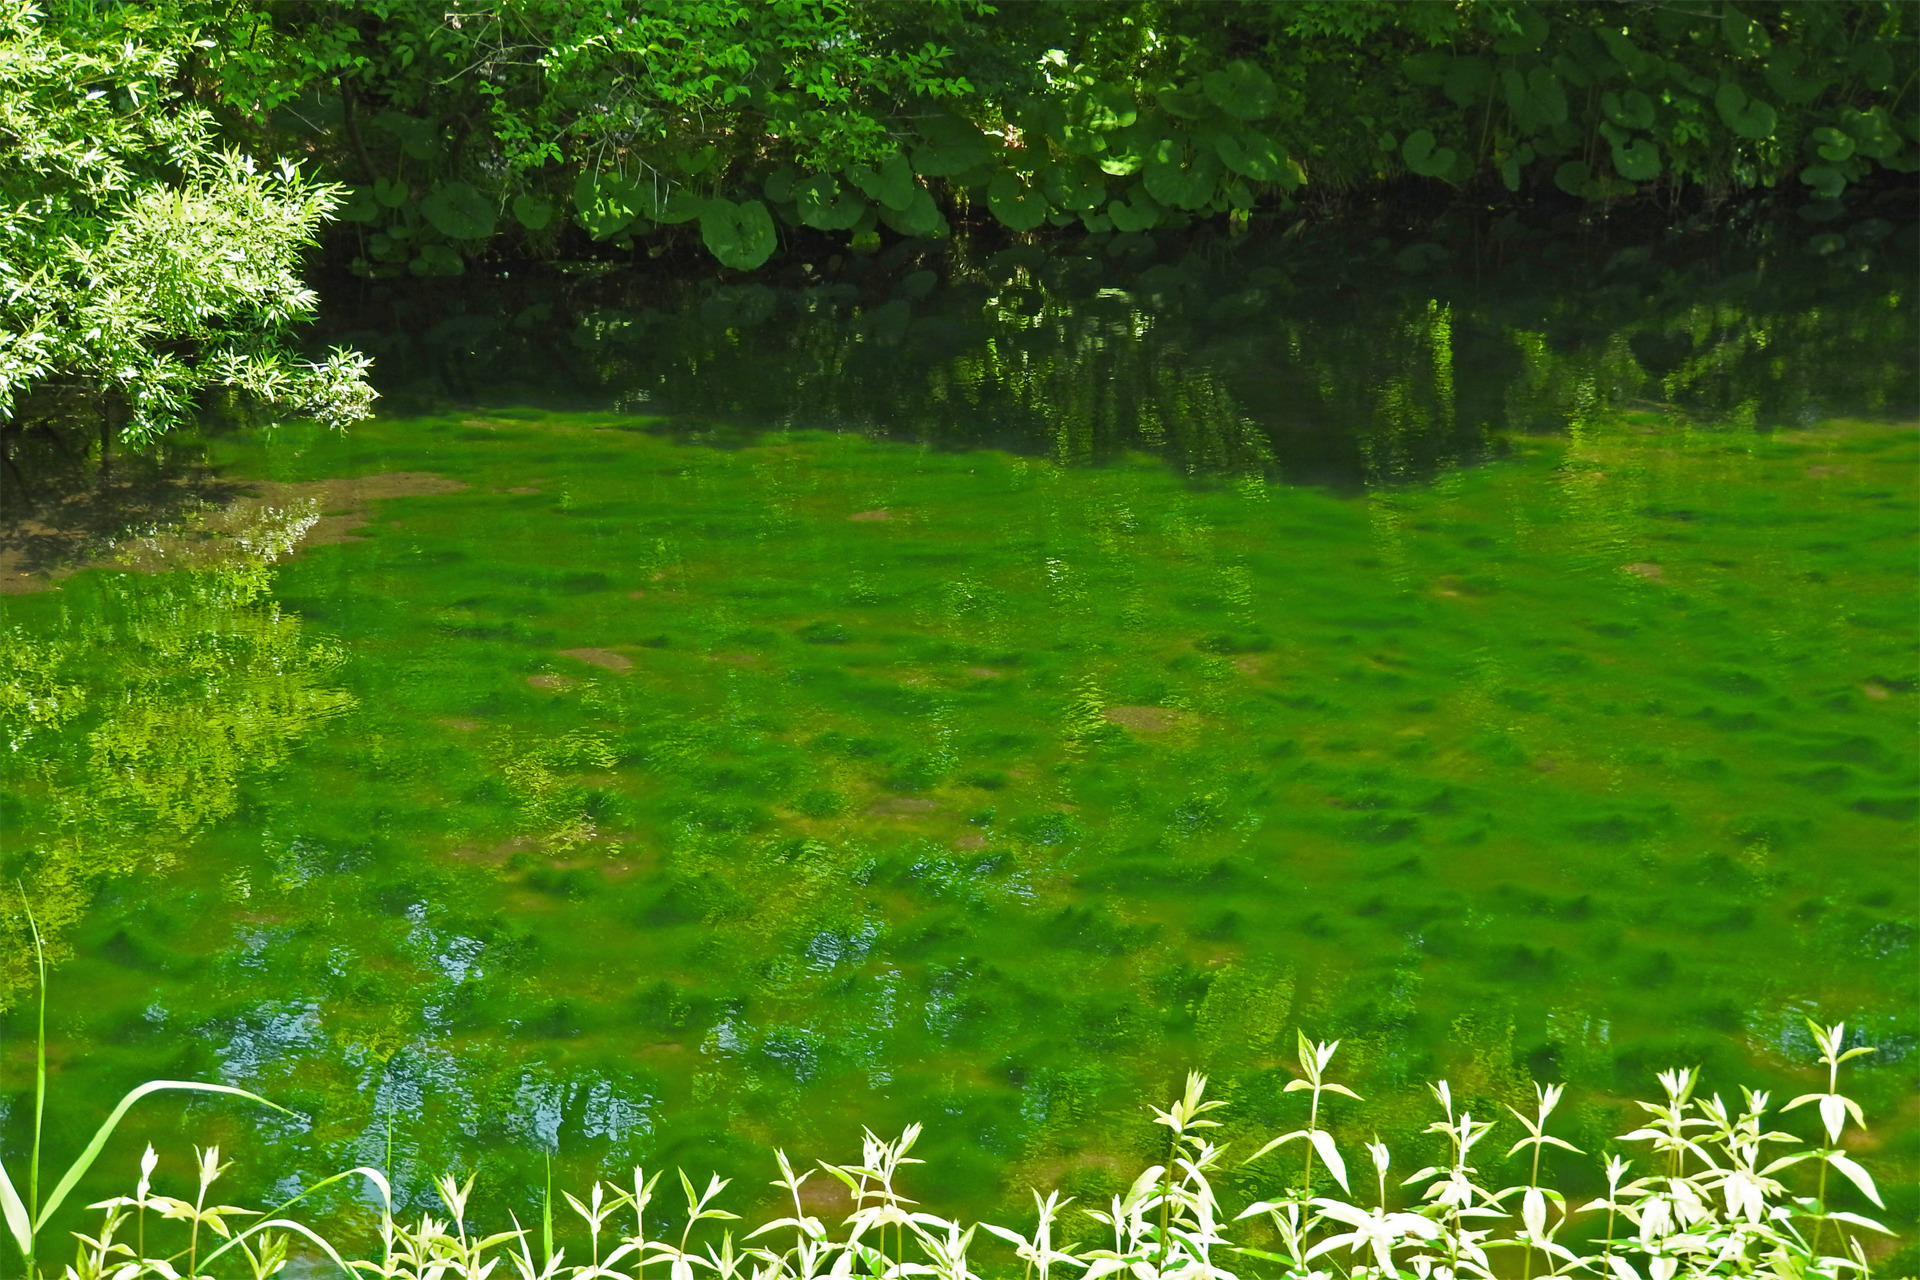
(1242, 90)
(1423, 157)
(458, 211)
(1073, 188)
(921, 218)
(1177, 174)
(606, 204)
(1748, 117)
(437, 260)
(949, 146)
(824, 204)
(1637, 160)
(1251, 155)
(532, 212)
(740, 235)
(360, 206)
(390, 192)
(1537, 99)
(1141, 212)
(1014, 203)
(1833, 145)
(1103, 108)
(891, 184)
(1630, 110)
(1826, 181)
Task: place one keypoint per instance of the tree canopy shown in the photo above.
(531, 125)
(140, 259)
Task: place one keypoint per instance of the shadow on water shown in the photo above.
(1345, 359)
(507, 776)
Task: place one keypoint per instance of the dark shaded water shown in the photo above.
(692, 723)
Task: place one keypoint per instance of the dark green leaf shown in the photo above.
(740, 235)
(1014, 203)
(821, 202)
(1180, 175)
(891, 184)
(1748, 117)
(1252, 155)
(921, 218)
(1423, 157)
(1826, 181)
(1630, 110)
(458, 211)
(1637, 160)
(532, 212)
(437, 260)
(1242, 90)
(390, 192)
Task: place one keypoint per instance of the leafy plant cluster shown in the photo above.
(537, 125)
(140, 260)
(1710, 1203)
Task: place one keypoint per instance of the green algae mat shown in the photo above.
(507, 782)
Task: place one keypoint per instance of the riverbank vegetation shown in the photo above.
(1714, 1190)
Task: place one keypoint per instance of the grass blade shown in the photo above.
(79, 1168)
(19, 1226)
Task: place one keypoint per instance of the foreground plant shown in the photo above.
(1712, 1203)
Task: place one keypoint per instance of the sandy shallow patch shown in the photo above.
(600, 658)
(1150, 719)
(251, 522)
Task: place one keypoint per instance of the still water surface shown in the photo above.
(978, 701)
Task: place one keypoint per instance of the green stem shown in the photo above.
(39, 1088)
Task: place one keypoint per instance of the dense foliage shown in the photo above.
(139, 260)
(535, 126)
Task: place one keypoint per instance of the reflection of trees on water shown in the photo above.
(134, 716)
(1332, 367)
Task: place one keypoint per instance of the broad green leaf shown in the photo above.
(1826, 181)
(1186, 101)
(949, 145)
(741, 235)
(1748, 117)
(1832, 144)
(458, 211)
(1637, 160)
(1537, 99)
(419, 138)
(1251, 155)
(1014, 203)
(1423, 157)
(1179, 175)
(823, 204)
(698, 161)
(390, 192)
(360, 206)
(1073, 189)
(1242, 90)
(682, 204)
(437, 260)
(779, 184)
(1103, 108)
(532, 212)
(1784, 76)
(1468, 81)
(1871, 61)
(1747, 38)
(1630, 110)
(1139, 212)
(1573, 178)
(921, 218)
(891, 184)
(606, 204)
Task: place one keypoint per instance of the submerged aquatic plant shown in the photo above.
(1711, 1204)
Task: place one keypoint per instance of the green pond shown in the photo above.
(763, 719)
